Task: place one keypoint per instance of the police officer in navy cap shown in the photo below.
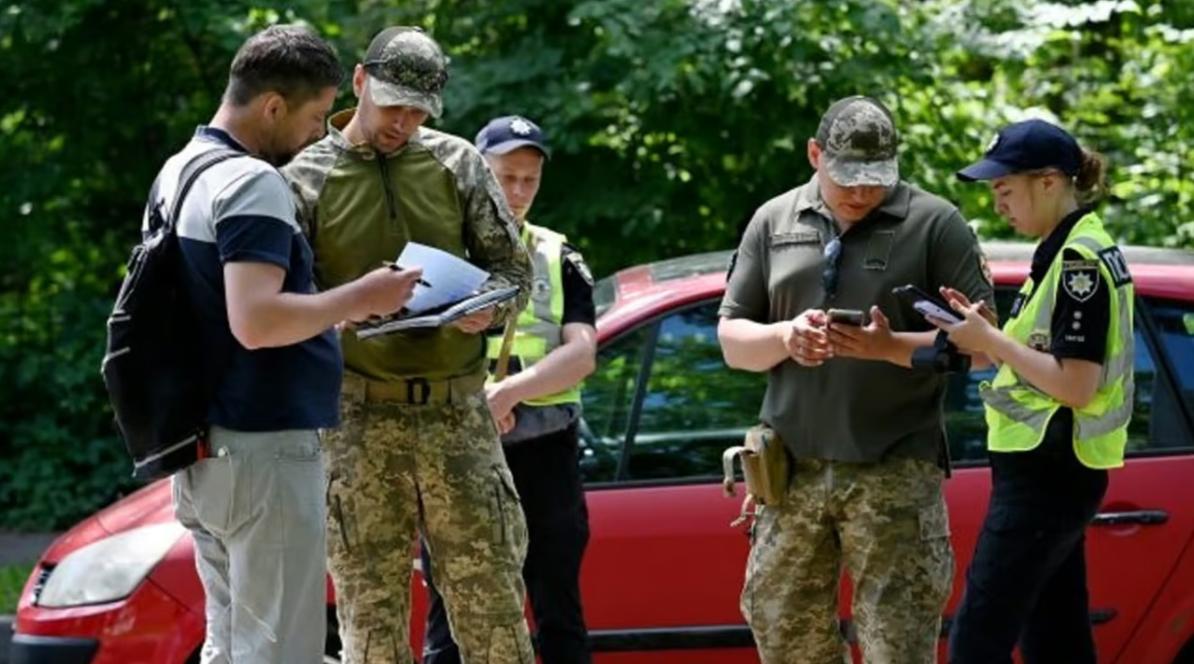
(537, 409)
(1058, 408)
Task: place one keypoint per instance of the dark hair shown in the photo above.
(289, 60)
(1091, 181)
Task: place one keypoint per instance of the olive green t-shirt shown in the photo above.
(848, 409)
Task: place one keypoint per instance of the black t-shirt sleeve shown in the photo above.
(1082, 312)
(578, 289)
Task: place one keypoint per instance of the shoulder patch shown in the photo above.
(1080, 279)
(985, 268)
(582, 268)
(1038, 341)
(1117, 265)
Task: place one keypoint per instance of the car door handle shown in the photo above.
(1138, 518)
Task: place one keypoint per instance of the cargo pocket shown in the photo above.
(938, 558)
(510, 643)
(510, 528)
(746, 601)
(762, 523)
(341, 524)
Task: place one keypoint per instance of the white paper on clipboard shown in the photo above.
(450, 278)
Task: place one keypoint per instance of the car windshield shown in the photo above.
(605, 291)
(605, 294)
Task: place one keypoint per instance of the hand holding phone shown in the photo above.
(852, 317)
(807, 339)
(928, 305)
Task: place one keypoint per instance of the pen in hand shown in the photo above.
(398, 268)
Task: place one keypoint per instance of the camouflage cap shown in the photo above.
(406, 68)
(858, 140)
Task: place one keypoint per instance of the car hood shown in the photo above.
(149, 505)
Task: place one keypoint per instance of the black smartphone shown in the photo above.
(927, 304)
(847, 317)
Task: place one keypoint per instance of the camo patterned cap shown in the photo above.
(858, 140)
(406, 68)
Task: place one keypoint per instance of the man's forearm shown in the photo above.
(508, 264)
(513, 269)
(751, 346)
(906, 343)
(290, 318)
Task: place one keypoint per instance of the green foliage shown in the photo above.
(12, 582)
(672, 121)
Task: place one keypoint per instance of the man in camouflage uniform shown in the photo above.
(417, 446)
(863, 426)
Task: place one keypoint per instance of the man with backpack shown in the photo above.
(254, 500)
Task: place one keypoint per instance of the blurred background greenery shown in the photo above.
(672, 120)
(12, 582)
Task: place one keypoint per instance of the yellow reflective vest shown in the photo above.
(1018, 413)
(540, 325)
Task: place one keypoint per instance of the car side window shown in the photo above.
(607, 398)
(1157, 424)
(1149, 394)
(695, 406)
(1175, 322)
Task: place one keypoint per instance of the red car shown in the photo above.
(664, 567)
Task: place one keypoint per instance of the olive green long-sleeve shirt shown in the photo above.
(360, 208)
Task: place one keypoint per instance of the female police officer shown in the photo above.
(1057, 409)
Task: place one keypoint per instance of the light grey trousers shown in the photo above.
(257, 512)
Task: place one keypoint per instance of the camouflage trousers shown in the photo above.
(393, 467)
(886, 524)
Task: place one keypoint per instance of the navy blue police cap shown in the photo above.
(509, 133)
(1031, 145)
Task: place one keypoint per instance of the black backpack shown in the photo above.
(153, 367)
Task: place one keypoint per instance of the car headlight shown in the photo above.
(109, 569)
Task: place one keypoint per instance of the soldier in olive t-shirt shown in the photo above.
(865, 428)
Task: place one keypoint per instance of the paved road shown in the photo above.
(23, 548)
(5, 637)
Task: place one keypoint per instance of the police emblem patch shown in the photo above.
(985, 268)
(520, 126)
(1080, 279)
(992, 143)
(1039, 341)
(540, 288)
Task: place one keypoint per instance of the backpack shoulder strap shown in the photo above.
(190, 173)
